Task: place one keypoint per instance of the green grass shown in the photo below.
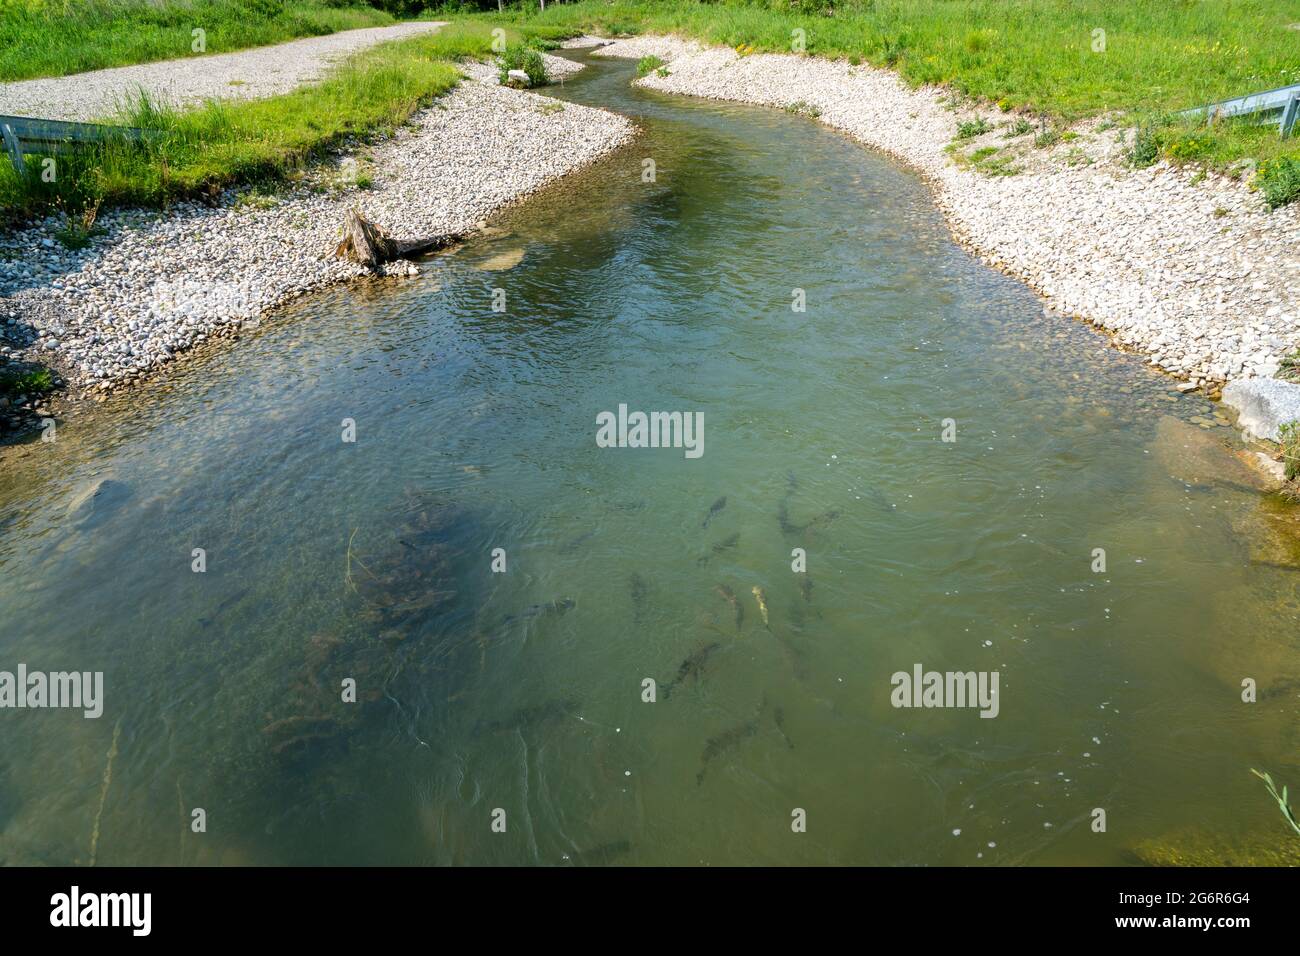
(520, 56)
(1036, 55)
(973, 128)
(58, 37)
(31, 383)
(262, 141)
(1278, 181)
(1289, 439)
(647, 65)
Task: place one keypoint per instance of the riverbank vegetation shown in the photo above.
(1062, 60)
(58, 37)
(266, 142)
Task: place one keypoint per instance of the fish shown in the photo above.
(637, 586)
(692, 666)
(825, 518)
(234, 598)
(723, 743)
(729, 596)
(878, 498)
(783, 518)
(761, 597)
(296, 726)
(714, 509)
(1257, 563)
(558, 608)
(789, 527)
(805, 587)
(778, 717)
(726, 544)
(573, 544)
(535, 714)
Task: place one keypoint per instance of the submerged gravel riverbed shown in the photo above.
(1198, 275)
(158, 283)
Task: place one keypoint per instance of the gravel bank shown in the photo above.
(245, 74)
(1199, 276)
(156, 284)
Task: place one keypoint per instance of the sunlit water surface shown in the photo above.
(475, 430)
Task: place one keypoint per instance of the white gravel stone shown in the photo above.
(1199, 275)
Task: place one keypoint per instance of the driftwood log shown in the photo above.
(372, 246)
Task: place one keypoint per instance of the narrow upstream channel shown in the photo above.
(475, 430)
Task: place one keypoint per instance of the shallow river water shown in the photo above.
(522, 691)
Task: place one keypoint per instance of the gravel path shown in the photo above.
(156, 284)
(246, 74)
(1198, 275)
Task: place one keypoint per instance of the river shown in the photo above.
(328, 560)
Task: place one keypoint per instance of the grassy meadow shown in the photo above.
(1062, 60)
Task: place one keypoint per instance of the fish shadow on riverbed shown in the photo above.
(639, 592)
(732, 738)
(532, 716)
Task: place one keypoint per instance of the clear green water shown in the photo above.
(476, 430)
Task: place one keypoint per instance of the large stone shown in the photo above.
(1263, 404)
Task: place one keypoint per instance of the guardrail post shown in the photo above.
(1289, 115)
(14, 148)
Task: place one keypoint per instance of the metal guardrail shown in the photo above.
(26, 134)
(1283, 101)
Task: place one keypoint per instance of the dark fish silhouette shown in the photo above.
(1257, 563)
(789, 527)
(779, 719)
(557, 608)
(234, 598)
(878, 498)
(714, 509)
(825, 518)
(573, 544)
(729, 596)
(637, 585)
(726, 544)
(783, 518)
(692, 667)
(724, 743)
(535, 714)
(805, 587)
